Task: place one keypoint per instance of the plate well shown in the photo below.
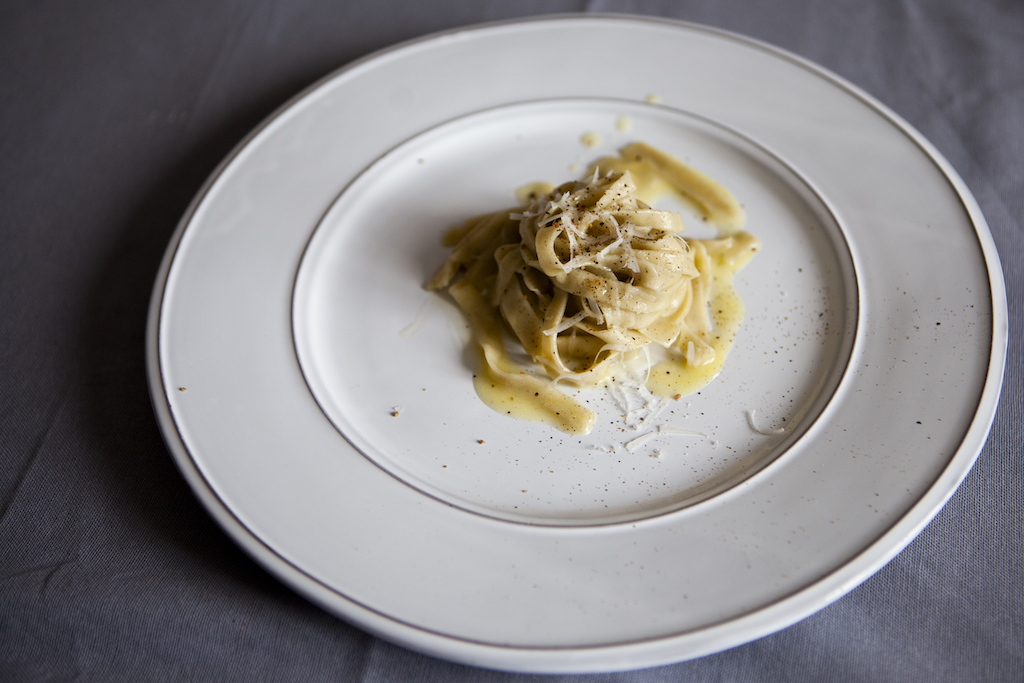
(371, 342)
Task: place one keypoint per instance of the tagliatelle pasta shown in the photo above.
(586, 276)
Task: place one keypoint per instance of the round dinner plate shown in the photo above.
(320, 402)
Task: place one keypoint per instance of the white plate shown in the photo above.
(289, 322)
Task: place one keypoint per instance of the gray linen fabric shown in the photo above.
(112, 115)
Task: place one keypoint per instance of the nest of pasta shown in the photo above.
(585, 276)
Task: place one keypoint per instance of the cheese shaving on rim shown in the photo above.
(417, 324)
(639, 441)
(668, 429)
(752, 421)
(653, 414)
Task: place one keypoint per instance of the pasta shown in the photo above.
(586, 277)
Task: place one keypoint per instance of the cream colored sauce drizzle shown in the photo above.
(590, 139)
(527, 193)
(657, 174)
(530, 399)
(675, 378)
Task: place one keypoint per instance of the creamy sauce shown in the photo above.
(531, 400)
(527, 193)
(590, 139)
(676, 378)
(657, 173)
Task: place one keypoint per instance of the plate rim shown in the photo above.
(648, 652)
